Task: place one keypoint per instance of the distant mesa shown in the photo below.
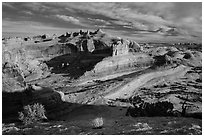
(88, 41)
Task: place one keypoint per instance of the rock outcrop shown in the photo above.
(12, 78)
(98, 41)
(30, 67)
(124, 47)
(118, 63)
(19, 62)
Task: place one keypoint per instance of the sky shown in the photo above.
(140, 21)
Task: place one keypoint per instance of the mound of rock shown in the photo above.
(94, 46)
(171, 56)
(19, 59)
(87, 41)
(60, 49)
(125, 62)
(98, 41)
(12, 78)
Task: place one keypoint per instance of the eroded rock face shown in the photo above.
(30, 68)
(118, 63)
(91, 46)
(94, 46)
(11, 84)
(125, 47)
(98, 40)
(22, 59)
(60, 49)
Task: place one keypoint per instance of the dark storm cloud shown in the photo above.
(138, 20)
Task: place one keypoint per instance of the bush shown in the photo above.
(141, 108)
(32, 113)
(98, 123)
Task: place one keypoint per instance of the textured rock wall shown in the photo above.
(125, 47)
(123, 62)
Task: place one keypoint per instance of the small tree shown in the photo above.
(184, 107)
(32, 113)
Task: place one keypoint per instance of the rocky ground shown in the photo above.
(84, 75)
(113, 126)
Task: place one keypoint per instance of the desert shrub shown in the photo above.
(97, 123)
(141, 108)
(32, 113)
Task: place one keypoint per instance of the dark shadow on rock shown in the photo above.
(75, 65)
(164, 108)
(13, 102)
(56, 109)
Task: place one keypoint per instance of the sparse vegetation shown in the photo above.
(32, 113)
(98, 123)
(142, 108)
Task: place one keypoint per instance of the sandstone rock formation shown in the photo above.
(119, 62)
(98, 40)
(18, 59)
(124, 47)
(97, 68)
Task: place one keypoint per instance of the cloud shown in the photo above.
(68, 19)
(80, 22)
(99, 21)
(27, 12)
(30, 27)
(141, 19)
(9, 5)
(34, 6)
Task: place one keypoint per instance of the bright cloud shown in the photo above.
(147, 21)
(68, 18)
